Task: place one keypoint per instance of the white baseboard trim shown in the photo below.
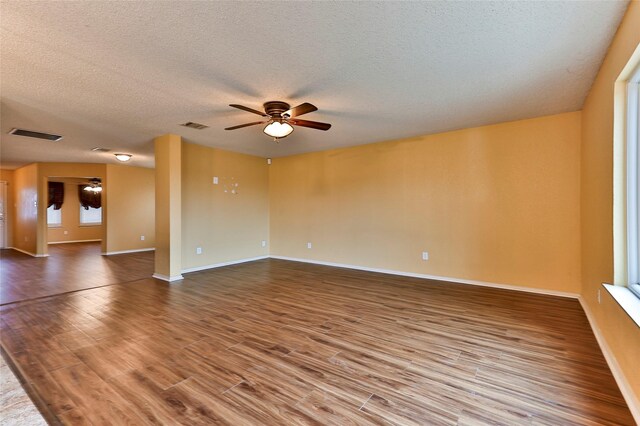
(623, 384)
(109, 253)
(74, 241)
(435, 277)
(167, 278)
(221, 264)
(28, 252)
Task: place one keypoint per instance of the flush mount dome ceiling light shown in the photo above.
(123, 157)
(280, 118)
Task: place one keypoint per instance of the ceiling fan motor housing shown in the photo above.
(276, 108)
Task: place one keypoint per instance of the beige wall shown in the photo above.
(227, 226)
(131, 208)
(25, 230)
(71, 218)
(496, 203)
(10, 204)
(619, 331)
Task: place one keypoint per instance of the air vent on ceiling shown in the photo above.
(98, 149)
(194, 125)
(32, 134)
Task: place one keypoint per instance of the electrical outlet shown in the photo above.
(264, 243)
(141, 237)
(599, 297)
(215, 180)
(198, 250)
(66, 232)
(308, 245)
(425, 255)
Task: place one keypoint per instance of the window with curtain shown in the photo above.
(90, 206)
(54, 204)
(56, 195)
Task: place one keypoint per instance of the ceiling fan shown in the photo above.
(281, 118)
(94, 185)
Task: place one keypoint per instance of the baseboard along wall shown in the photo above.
(110, 253)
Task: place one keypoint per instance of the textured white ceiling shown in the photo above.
(116, 74)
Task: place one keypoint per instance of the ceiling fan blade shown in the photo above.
(312, 124)
(244, 108)
(245, 125)
(300, 109)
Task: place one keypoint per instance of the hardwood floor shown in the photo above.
(69, 267)
(277, 342)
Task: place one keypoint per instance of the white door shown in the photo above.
(3, 216)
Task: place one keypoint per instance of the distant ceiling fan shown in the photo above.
(281, 118)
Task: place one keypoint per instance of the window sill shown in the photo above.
(85, 225)
(628, 301)
(54, 226)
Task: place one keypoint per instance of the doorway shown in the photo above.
(74, 210)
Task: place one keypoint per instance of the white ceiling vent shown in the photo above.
(194, 125)
(32, 134)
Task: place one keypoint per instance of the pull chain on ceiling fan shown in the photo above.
(281, 118)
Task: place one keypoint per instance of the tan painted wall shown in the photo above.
(227, 226)
(10, 207)
(621, 334)
(51, 170)
(71, 219)
(131, 208)
(26, 198)
(496, 203)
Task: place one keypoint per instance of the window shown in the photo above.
(91, 216)
(54, 217)
(625, 289)
(633, 182)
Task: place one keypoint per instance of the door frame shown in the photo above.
(3, 190)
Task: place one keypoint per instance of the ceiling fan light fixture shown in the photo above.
(123, 157)
(278, 130)
(93, 188)
(94, 185)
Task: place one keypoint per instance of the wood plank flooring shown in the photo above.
(277, 342)
(69, 267)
